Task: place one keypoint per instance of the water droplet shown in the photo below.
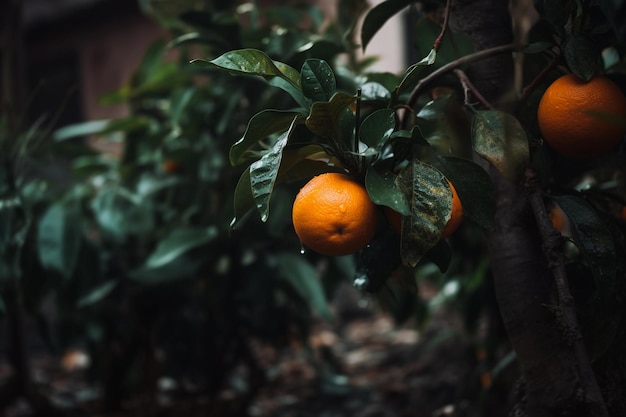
(264, 217)
(342, 208)
(302, 250)
(360, 281)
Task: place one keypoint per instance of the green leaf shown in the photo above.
(378, 127)
(303, 277)
(150, 63)
(581, 56)
(318, 80)
(257, 63)
(59, 237)
(499, 138)
(263, 173)
(411, 75)
(378, 16)
(474, 188)
(383, 190)
(120, 213)
(430, 199)
(81, 129)
(443, 122)
(323, 119)
(183, 267)
(297, 164)
(96, 294)
(178, 105)
(243, 198)
(179, 242)
(260, 126)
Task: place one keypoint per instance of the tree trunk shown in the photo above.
(555, 382)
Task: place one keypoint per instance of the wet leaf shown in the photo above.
(383, 190)
(260, 126)
(263, 173)
(499, 138)
(318, 80)
(430, 199)
(257, 63)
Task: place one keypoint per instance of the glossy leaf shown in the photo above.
(260, 126)
(318, 80)
(323, 119)
(179, 242)
(383, 190)
(499, 138)
(59, 237)
(430, 199)
(263, 173)
(303, 277)
(378, 16)
(378, 127)
(257, 63)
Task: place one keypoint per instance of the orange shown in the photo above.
(456, 216)
(333, 215)
(171, 166)
(557, 218)
(582, 119)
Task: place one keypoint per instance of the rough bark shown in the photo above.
(487, 23)
(554, 383)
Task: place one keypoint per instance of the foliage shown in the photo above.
(195, 262)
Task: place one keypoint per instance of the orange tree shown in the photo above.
(468, 113)
(158, 266)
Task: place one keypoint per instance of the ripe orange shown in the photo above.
(333, 215)
(582, 119)
(456, 216)
(558, 218)
(171, 166)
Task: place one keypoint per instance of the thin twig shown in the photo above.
(538, 79)
(468, 87)
(552, 241)
(485, 53)
(444, 27)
